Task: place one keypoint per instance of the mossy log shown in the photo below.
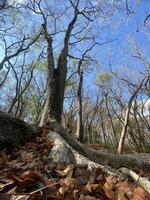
(14, 132)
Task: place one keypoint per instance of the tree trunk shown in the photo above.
(50, 73)
(111, 120)
(79, 153)
(56, 79)
(127, 114)
(60, 74)
(124, 131)
(79, 132)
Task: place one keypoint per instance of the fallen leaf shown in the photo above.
(27, 179)
(69, 185)
(124, 190)
(66, 172)
(3, 158)
(5, 183)
(91, 187)
(82, 174)
(140, 194)
(14, 164)
(27, 156)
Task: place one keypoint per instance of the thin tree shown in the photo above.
(127, 115)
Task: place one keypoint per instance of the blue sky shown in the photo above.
(121, 51)
(122, 30)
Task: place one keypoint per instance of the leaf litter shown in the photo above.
(25, 174)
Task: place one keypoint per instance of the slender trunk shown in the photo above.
(126, 120)
(50, 70)
(111, 121)
(79, 132)
(133, 138)
(103, 128)
(124, 131)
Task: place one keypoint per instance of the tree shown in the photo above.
(57, 68)
(75, 39)
(57, 75)
(126, 120)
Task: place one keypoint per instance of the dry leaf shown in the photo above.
(82, 174)
(140, 194)
(91, 187)
(69, 185)
(66, 172)
(124, 190)
(5, 183)
(14, 164)
(3, 158)
(27, 156)
(26, 179)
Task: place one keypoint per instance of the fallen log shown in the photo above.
(14, 132)
(132, 161)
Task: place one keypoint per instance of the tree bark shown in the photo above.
(79, 132)
(50, 73)
(127, 115)
(132, 161)
(56, 79)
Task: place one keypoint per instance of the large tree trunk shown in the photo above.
(56, 79)
(59, 82)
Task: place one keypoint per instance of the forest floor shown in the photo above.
(25, 173)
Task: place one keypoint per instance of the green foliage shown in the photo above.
(34, 105)
(103, 78)
(40, 65)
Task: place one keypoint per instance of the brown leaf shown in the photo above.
(69, 185)
(91, 187)
(96, 190)
(27, 156)
(14, 164)
(19, 182)
(66, 172)
(97, 175)
(26, 179)
(87, 197)
(124, 190)
(82, 197)
(109, 187)
(5, 183)
(5, 197)
(82, 174)
(3, 158)
(30, 175)
(140, 194)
